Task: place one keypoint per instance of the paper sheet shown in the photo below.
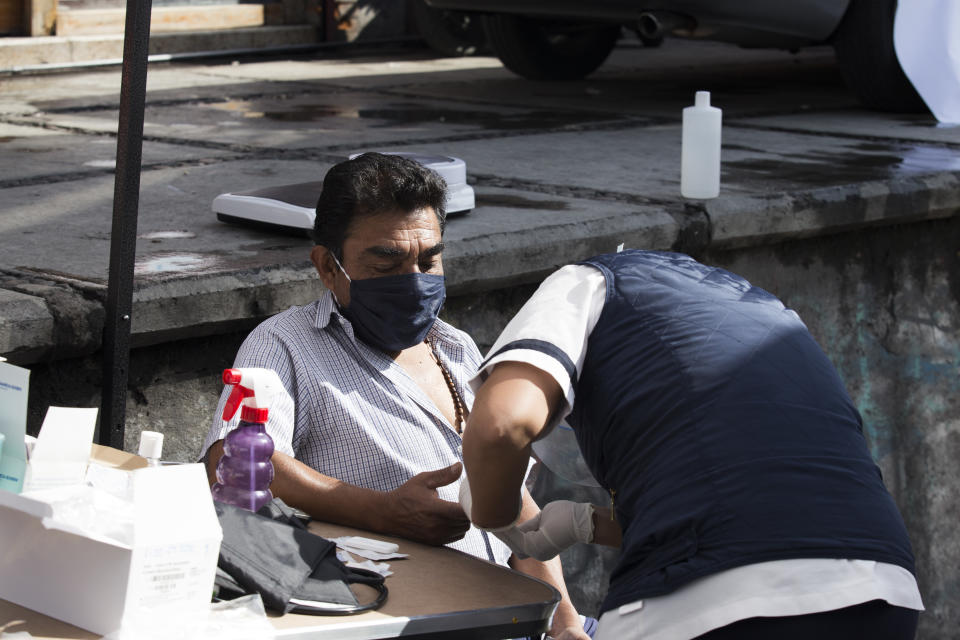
(377, 567)
(369, 548)
(926, 37)
(62, 451)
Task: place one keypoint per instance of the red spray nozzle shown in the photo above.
(254, 388)
(237, 396)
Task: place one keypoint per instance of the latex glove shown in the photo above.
(559, 525)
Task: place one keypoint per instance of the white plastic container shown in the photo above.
(151, 447)
(700, 152)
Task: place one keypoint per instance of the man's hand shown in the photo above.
(559, 525)
(415, 511)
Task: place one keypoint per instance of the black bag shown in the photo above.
(272, 553)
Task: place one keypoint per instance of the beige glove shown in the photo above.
(559, 525)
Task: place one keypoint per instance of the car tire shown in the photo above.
(864, 46)
(544, 49)
(449, 33)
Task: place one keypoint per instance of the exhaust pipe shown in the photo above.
(654, 25)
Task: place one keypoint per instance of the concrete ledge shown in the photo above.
(495, 248)
(737, 221)
(512, 257)
(202, 306)
(27, 323)
(45, 317)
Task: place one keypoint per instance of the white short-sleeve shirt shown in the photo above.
(550, 332)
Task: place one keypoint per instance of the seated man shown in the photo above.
(372, 439)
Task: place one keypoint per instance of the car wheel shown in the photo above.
(450, 33)
(864, 46)
(543, 49)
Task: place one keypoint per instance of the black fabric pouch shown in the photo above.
(272, 553)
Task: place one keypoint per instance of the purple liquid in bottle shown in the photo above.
(245, 472)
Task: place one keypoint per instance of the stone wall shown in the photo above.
(885, 305)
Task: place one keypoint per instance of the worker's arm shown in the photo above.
(413, 510)
(512, 408)
(551, 572)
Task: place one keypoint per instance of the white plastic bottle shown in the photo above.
(151, 447)
(700, 152)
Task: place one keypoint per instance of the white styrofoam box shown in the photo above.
(101, 585)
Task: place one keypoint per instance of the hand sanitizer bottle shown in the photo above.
(700, 152)
(245, 472)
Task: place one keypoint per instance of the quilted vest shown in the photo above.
(723, 433)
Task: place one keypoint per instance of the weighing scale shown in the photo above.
(291, 208)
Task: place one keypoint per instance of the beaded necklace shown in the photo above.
(458, 407)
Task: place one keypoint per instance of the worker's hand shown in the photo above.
(559, 525)
(415, 511)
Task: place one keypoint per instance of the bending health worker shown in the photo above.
(742, 492)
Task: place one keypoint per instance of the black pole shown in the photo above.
(123, 234)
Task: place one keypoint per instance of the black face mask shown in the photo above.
(393, 313)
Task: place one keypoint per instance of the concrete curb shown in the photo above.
(739, 221)
(44, 319)
(26, 321)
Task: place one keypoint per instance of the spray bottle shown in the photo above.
(245, 472)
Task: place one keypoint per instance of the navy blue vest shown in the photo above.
(721, 429)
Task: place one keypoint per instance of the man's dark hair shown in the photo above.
(371, 184)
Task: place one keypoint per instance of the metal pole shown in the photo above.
(123, 235)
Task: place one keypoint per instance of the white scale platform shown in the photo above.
(292, 207)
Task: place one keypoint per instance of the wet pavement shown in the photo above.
(561, 170)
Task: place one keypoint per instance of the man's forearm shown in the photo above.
(550, 572)
(320, 496)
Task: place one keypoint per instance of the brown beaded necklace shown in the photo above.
(459, 410)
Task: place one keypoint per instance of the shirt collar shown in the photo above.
(326, 309)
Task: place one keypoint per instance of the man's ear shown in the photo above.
(325, 265)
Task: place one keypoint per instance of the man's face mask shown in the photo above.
(393, 313)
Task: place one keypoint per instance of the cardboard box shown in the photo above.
(99, 584)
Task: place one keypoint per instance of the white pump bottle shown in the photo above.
(700, 151)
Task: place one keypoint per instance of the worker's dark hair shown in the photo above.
(371, 184)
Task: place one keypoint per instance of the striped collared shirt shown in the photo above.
(352, 412)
